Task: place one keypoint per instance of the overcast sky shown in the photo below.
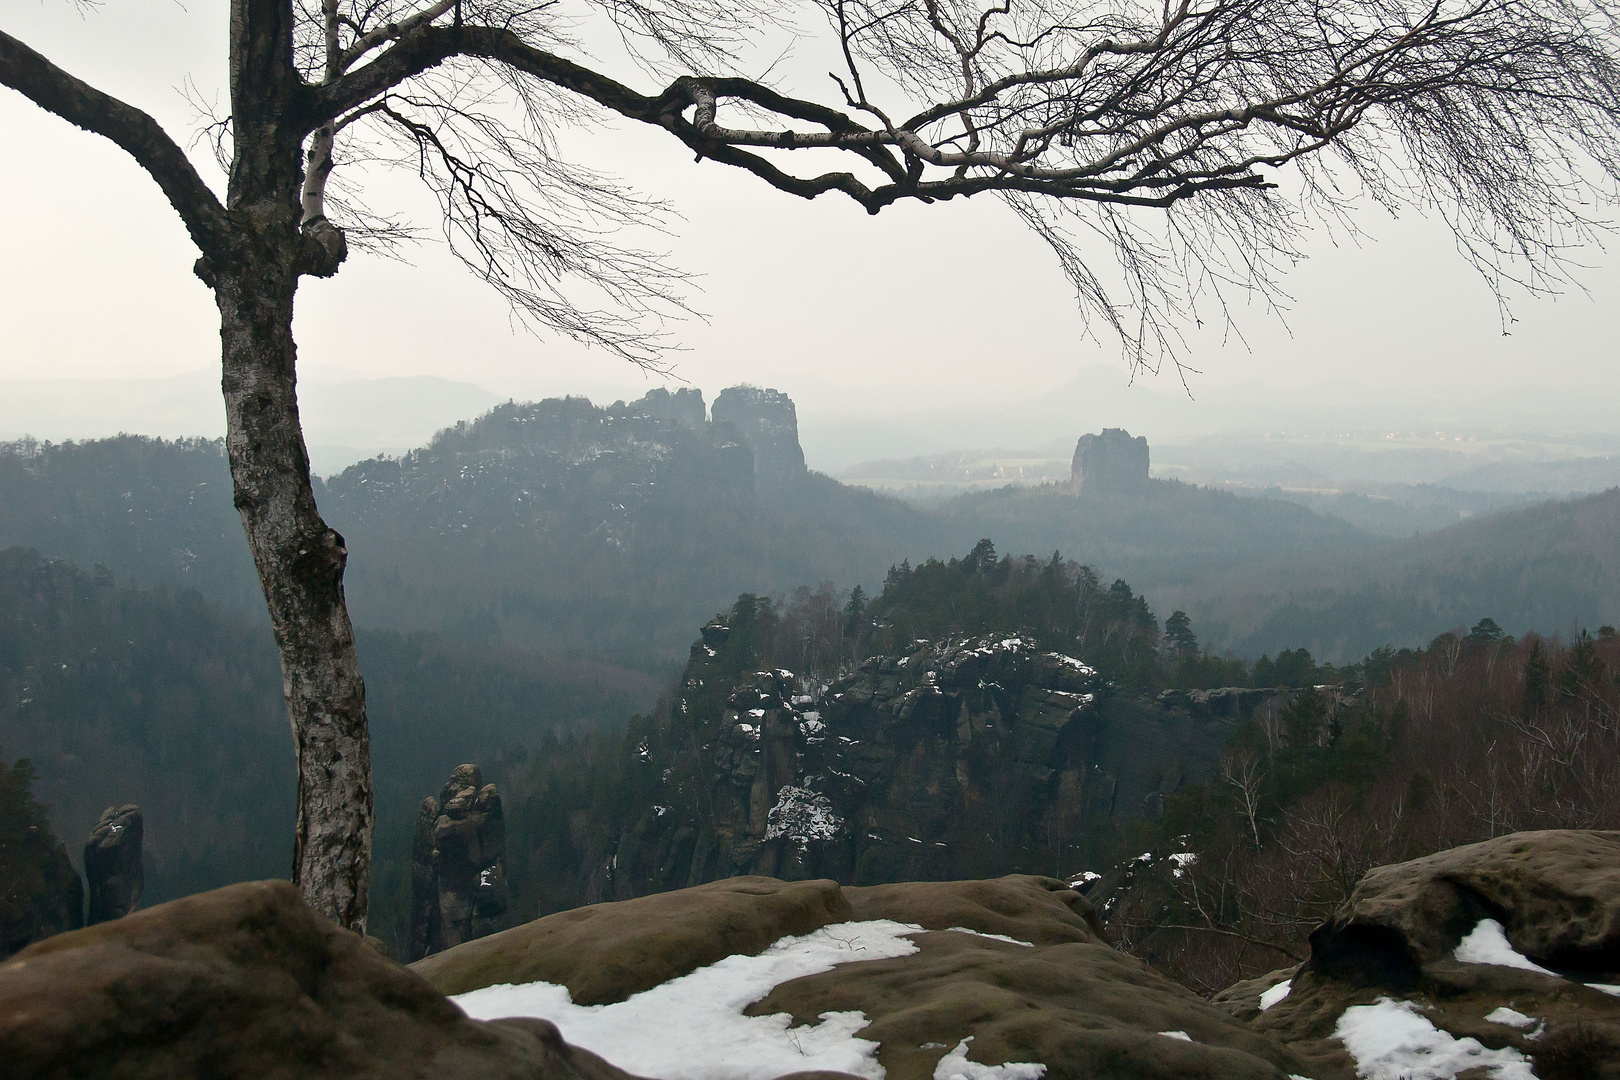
(944, 305)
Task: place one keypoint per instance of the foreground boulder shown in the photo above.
(1011, 972)
(1509, 950)
(112, 864)
(246, 981)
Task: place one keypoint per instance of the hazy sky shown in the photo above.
(951, 304)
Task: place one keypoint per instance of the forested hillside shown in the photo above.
(1475, 736)
(980, 716)
(1554, 567)
(150, 510)
(602, 532)
(162, 698)
(1161, 536)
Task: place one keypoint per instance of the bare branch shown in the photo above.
(132, 130)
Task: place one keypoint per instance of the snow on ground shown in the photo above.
(1608, 988)
(693, 1027)
(1488, 944)
(1391, 1040)
(1511, 1017)
(992, 937)
(956, 1066)
(1275, 994)
(1182, 1035)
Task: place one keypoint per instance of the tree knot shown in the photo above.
(323, 247)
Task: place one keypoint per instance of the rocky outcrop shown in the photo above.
(1556, 895)
(112, 864)
(684, 406)
(247, 981)
(1110, 463)
(898, 770)
(458, 864)
(880, 776)
(766, 421)
(606, 952)
(1007, 970)
(1503, 955)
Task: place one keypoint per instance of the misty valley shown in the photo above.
(613, 653)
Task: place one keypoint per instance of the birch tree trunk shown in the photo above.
(300, 560)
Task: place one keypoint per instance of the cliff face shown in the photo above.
(962, 758)
(768, 423)
(1110, 462)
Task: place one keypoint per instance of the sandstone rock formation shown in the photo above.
(246, 981)
(1055, 994)
(1112, 463)
(896, 771)
(684, 406)
(458, 864)
(877, 777)
(112, 864)
(1513, 943)
(767, 421)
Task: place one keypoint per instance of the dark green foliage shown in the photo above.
(1179, 636)
(40, 892)
(155, 511)
(1429, 755)
(604, 533)
(1061, 604)
(1583, 671)
(1537, 678)
(161, 698)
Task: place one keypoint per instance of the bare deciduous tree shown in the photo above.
(1082, 114)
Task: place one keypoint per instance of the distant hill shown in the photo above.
(346, 416)
(606, 533)
(1167, 534)
(600, 531)
(150, 510)
(1554, 567)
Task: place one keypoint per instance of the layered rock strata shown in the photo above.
(766, 421)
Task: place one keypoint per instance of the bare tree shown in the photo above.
(1244, 773)
(1082, 114)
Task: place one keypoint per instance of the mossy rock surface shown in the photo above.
(606, 952)
(1066, 999)
(1084, 1010)
(246, 981)
(1556, 894)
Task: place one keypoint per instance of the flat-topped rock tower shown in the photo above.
(1112, 462)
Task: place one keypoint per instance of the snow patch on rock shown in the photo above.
(1275, 994)
(693, 1027)
(801, 815)
(956, 1066)
(1487, 943)
(1390, 1040)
